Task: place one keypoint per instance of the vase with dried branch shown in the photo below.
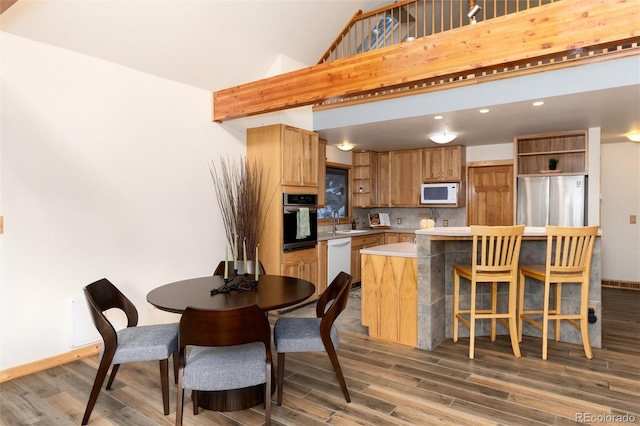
(243, 200)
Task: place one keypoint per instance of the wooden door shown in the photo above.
(491, 195)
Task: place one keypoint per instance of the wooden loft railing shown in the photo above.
(412, 19)
(563, 33)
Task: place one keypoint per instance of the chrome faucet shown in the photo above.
(336, 220)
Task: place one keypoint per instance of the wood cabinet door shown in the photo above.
(322, 283)
(391, 237)
(310, 272)
(299, 157)
(491, 195)
(406, 238)
(301, 264)
(443, 164)
(452, 163)
(431, 164)
(291, 152)
(309, 160)
(358, 243)
(383, 179)
(355, 263)
(406, 177)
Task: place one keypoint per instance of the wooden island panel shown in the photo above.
(389, 298)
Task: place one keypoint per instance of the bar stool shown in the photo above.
(568, 260)
(496, 250)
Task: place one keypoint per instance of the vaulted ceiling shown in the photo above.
(215, 44)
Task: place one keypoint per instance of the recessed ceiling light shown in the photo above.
(538, 103)
(439, 117)
(484, 110)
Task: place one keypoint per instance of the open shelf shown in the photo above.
(533, 153)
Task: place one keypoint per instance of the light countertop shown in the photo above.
(395, 250)
(324, 236)
(465, 231)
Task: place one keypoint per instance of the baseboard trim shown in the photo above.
(627, 285)
(46, 363)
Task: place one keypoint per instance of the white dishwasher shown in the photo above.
(338, 257)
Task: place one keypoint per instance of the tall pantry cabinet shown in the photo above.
(290, 159)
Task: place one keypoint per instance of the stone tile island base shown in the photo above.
(440, 248)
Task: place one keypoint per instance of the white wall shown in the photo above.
(104, 173)
(495, 152)
(620, 174)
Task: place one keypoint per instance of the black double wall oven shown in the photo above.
(300, 221)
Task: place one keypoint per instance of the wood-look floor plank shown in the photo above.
(410, 401)
(300, 405)
(389, 384)
(358, 412)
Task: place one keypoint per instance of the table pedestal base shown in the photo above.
(231, 400)
(234, 399)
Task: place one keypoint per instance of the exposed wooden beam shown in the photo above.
(541, 32)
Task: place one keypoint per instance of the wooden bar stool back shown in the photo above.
(568, 260)
(496, 250)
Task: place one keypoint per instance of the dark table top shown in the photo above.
(272, 292)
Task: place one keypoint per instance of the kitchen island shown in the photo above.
(436, 250)
(390, 297)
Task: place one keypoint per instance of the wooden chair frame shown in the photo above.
(495, 254)
(568, 261)
(223, 328)
(338, 293)
(101, 296)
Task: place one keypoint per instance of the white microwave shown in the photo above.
(439, 193)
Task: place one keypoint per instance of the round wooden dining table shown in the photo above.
(272, 292)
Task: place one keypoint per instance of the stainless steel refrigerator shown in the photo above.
(552, 200)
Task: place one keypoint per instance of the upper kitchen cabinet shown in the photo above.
(405, 178)
(299, 157)
(364, 180)
(383, 177)
(568, 150)
(443, 164)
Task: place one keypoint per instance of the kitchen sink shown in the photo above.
(352, 231)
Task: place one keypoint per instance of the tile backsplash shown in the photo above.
(411, 217)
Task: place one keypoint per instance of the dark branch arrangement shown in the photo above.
(242, 193)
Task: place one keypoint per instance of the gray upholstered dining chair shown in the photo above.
(315, 334)
(131, 344)
(223, 350)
